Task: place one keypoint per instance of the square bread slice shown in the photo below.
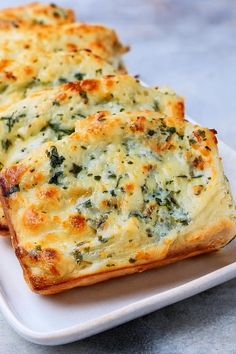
(51, 114)
(103, 41)
(125, 193)
(37, 71)
(37, 14)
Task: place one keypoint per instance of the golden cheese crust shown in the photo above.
(101, 40)
(124, 193)
(51, 114)
(36, 14)
(35, 72)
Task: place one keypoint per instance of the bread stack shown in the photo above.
(101, 176)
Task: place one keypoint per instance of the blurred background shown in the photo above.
(189, 45)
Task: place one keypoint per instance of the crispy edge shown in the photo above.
(206, 240)
(215, 237)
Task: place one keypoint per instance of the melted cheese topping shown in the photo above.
(101, 40)
(34, 72)
(52, 114)
(118, 192)
(37, 14)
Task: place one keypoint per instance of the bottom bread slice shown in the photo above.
(125, 193)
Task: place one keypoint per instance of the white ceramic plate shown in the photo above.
(80, 313)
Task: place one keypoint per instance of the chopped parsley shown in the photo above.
(75, 169)
(112, 175)
(87, 204)
(62, 80)
(151, 132)
(98, 72)
(55, 159)
(78, 256)
(55, 103)
(6, 144)
(171, 130)
(79, 76)
(102, 239)
(202, 133)
(156, 106)
(59, 129)
(10, 121)
(83, 94)
(192, 141)
(137, 214)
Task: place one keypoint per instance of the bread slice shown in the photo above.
(51, 114)
(37, 14)
(126, 192)
(36, 71)
(101, 40)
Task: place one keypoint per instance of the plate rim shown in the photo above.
(129, 312)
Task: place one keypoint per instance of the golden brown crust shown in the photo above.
(102, 40)
(212, 239)
(207, 240)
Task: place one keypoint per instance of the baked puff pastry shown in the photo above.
(36, 14)
(51, 114)
(125, 193)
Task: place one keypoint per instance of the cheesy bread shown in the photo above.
(36, 14)
(101, 40)
(52, 114)
(33, 72)
(124, 193)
